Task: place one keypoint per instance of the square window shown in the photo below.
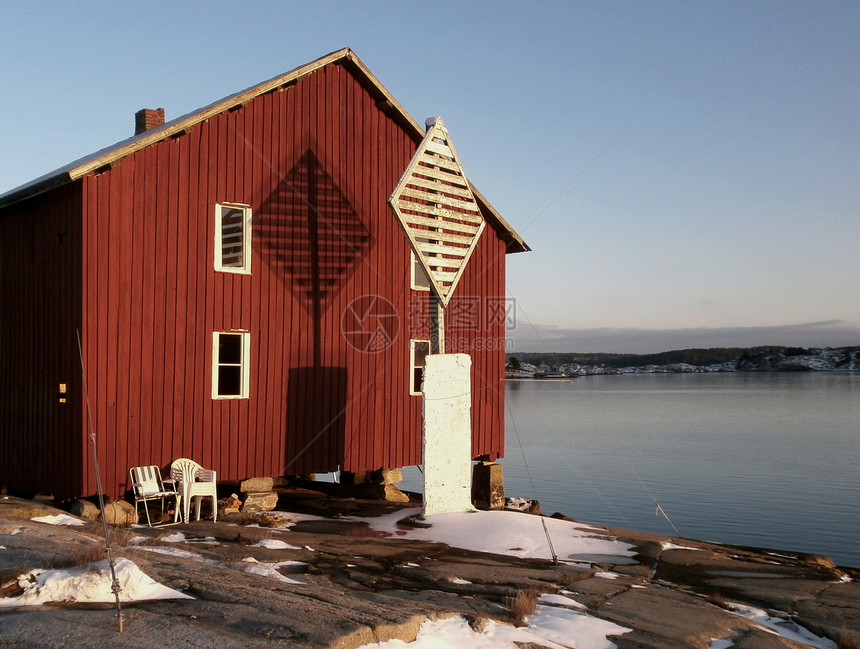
(419, 350)
(233, 238)
(230, 355)
(420, 281)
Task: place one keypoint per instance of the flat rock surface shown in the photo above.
(357, 586)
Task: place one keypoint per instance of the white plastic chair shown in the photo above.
(146, 483)
(195, 482)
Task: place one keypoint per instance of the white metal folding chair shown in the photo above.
(146, 484)
(195, 482)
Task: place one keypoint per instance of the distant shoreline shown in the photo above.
(551, 365)
(545, 379)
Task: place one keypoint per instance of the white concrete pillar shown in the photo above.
(447, 392)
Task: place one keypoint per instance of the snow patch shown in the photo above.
(57, 519)
(785, 628)
(91, 583)
(560, 600)
(270, 570)
(274, 544)
(175, 552)
(550, 627)
(506, 532)
(606, 575)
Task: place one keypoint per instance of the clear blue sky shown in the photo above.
(686, 173)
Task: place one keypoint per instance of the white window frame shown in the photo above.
(413, 344)
(418, 278)
(243, 365)
(245, 268)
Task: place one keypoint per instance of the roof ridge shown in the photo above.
(109, 155)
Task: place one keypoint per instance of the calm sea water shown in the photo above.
(766, 459)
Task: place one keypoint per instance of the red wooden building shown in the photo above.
(244, 295)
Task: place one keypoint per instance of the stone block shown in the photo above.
(526, 505)
(85, 509)
(229, 505)
(120, 513)
(488, 486)
(394, 495)
(374, 477)
(387, 492)
(352, 478)
(259, 501)
(257, 484)
(390, 476)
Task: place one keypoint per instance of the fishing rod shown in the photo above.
(115, 585)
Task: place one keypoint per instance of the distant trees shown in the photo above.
(763, 358)
(696, 356)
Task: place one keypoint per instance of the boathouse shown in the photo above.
(243, 293)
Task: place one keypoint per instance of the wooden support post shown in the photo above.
(437, 325)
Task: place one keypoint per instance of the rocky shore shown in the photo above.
(358, 586)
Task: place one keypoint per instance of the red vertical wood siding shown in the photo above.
(42, 445)
(316, 161)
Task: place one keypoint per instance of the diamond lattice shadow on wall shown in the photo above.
(311, 234)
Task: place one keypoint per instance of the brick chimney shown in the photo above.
(148, 118)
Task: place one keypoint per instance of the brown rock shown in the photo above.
(388, 492)
(257, 484)
(834, 612)
(394, 495)
(85, 509)
(525, 505)
(229, 505)
(390, 476)
(120, 512)
(375, 477)
(351, 478)
(259, 501)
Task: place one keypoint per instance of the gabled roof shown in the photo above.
(109, 156)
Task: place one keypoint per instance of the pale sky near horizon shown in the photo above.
(686, 173)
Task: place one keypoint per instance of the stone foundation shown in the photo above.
(488, 488)
(256, 495)
(378, 484)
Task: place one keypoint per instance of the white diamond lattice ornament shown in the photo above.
(436, 207)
